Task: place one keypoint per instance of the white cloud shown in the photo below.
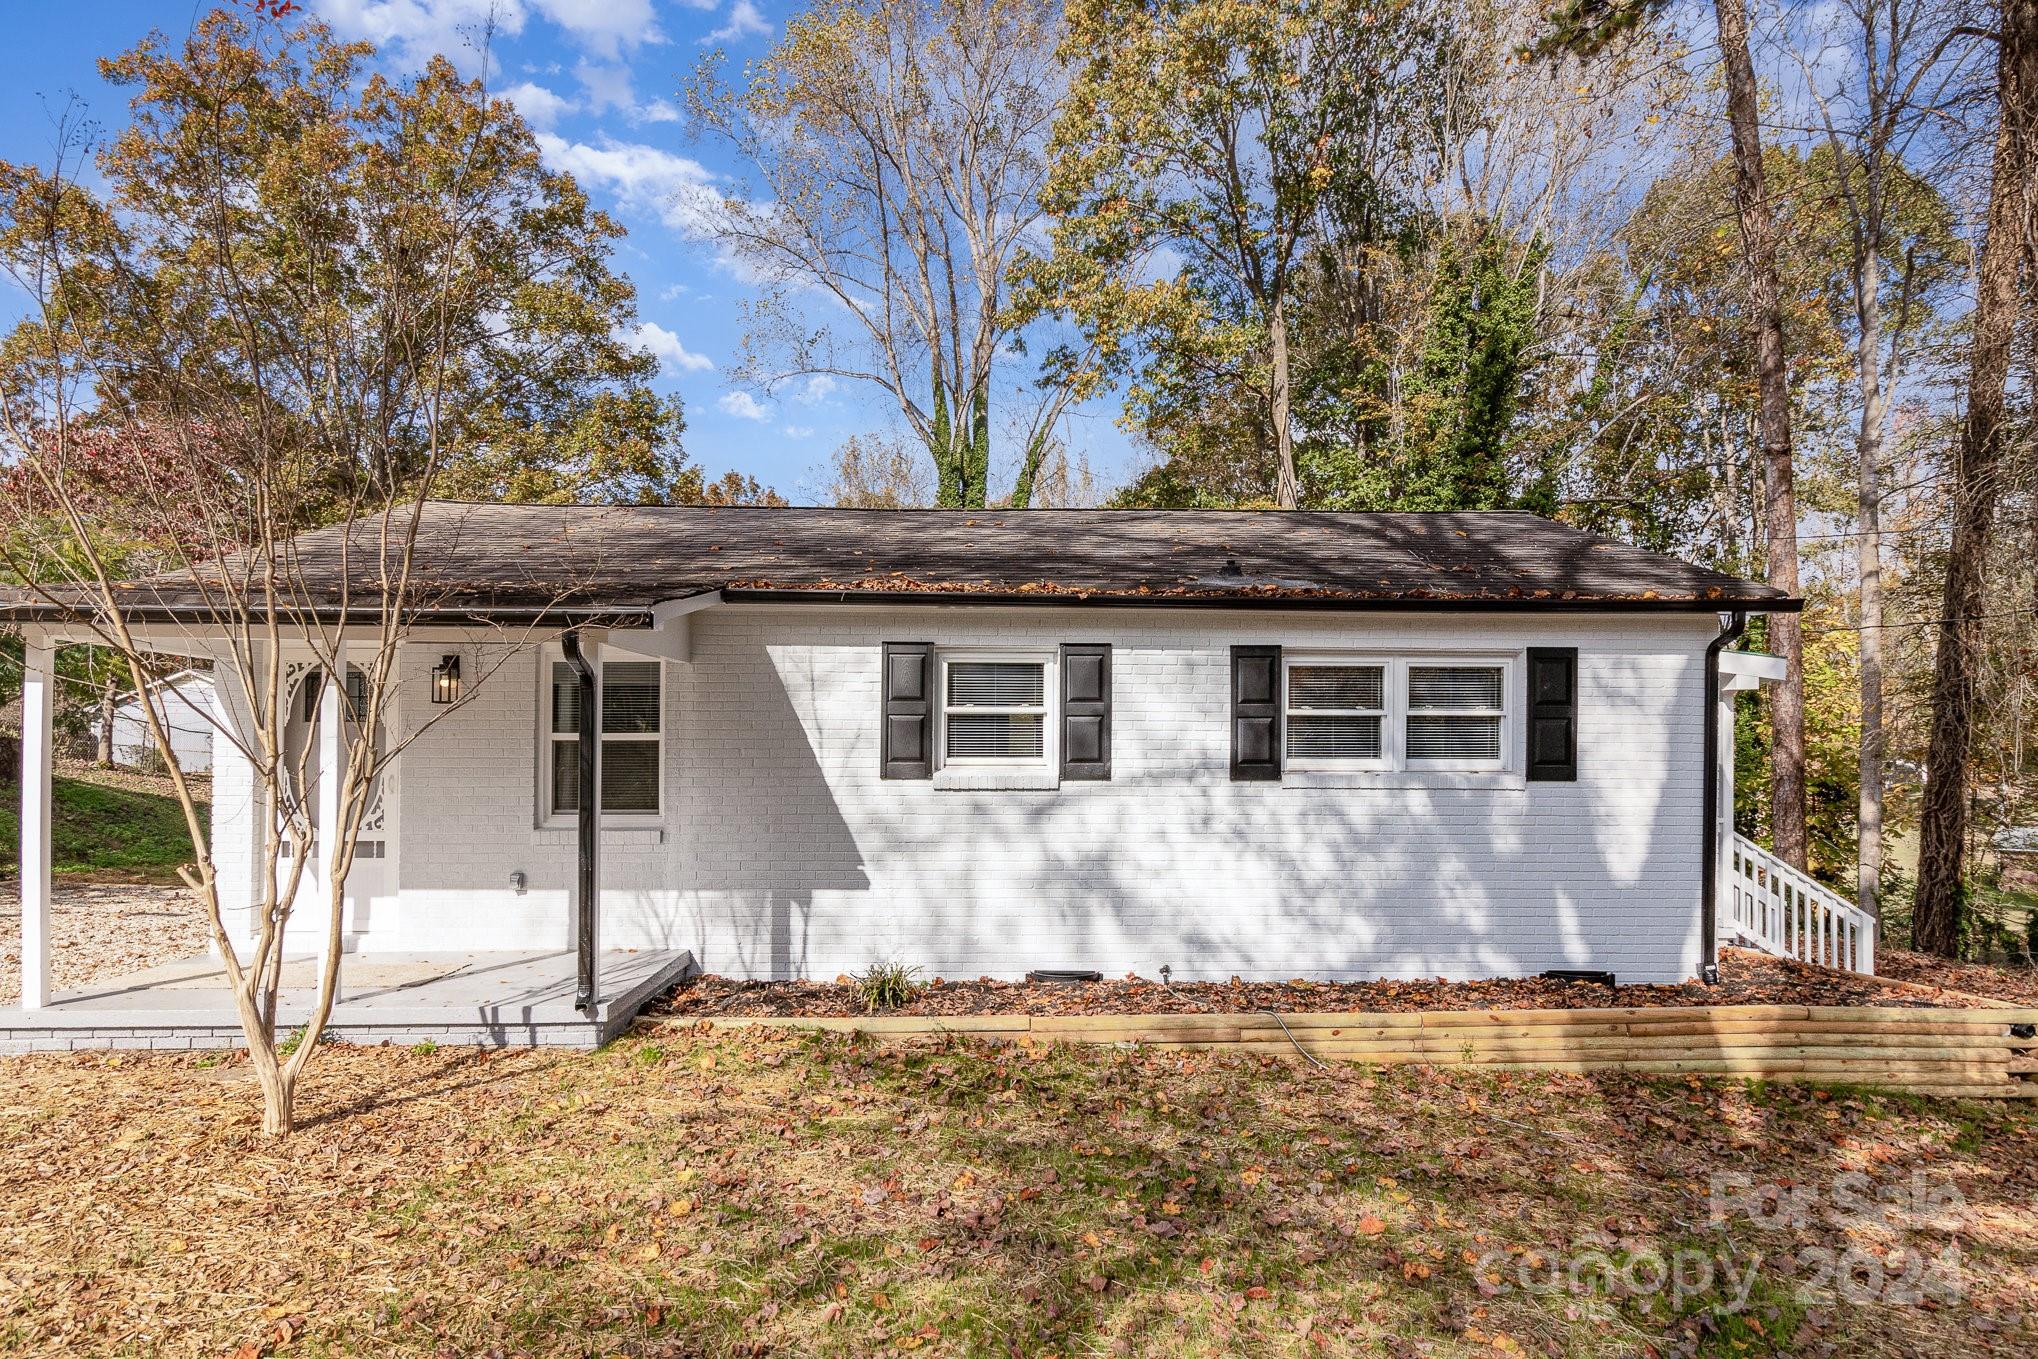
(671, 353)
(819, 388)
(799, 431)
(540, 107)
(605, 27)
(417, 29)
(680, 190)
(742, 405)
(607, 85)
(745, 21)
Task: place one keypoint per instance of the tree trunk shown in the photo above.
(1029, 472)
(277, 1083)
(1868, 371)
(1977, 484)
(1758, 253)
(1286, 494)
(106, 707)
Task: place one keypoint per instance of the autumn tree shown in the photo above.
(1577, 27)
(877, 472)
(895, 153)
(2001, 291)
(1873, 118)
(306, 292)
(545, 399)
(1199, 144)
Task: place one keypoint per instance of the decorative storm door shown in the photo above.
(371, 882)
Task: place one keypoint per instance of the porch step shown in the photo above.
(1779, 910)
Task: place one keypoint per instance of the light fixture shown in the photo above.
(446, 680)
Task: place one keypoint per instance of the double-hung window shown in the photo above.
(1337, 715)
(1432, 714)
(994, 710)
(1455, 715)
(631, 738)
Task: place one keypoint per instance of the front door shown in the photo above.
(371, 882)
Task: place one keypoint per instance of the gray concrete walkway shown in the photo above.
(490, 999)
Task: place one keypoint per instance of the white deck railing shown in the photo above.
(1782, 911)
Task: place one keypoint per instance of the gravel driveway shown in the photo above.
(100, 930)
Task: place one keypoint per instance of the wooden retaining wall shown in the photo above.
(1969, 1053)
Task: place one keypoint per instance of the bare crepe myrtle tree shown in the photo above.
(285, 306)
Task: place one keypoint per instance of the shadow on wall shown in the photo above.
(1170, 862)
(762, 829)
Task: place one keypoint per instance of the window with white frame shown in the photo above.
(994, 709)
(1455, 715)
(632, 740)
(1395, 713)
(1337, 715)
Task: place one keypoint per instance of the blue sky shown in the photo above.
(599, 81)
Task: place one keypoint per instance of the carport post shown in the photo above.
(587, 880)
(38, 695)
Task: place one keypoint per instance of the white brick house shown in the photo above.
(1270, 746)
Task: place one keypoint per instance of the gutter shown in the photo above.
(587, 881)
(1709, 857)
(737, 594)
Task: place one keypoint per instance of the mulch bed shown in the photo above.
(1745, 979)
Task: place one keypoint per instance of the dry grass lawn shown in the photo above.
(739, 1195)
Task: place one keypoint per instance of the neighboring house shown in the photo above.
(183, 702)
(1268, 745)
(2016, 850)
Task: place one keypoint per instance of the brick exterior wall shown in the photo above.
(781, 853)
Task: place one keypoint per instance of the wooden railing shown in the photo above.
(1780, 910)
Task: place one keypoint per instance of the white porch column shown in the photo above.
(1723, 823)
(38, 694)
(332, 733)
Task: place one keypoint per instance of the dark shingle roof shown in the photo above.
(613, 559)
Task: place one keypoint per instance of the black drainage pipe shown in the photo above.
(588, 880)
(1708, 860)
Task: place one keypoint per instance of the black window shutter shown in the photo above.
(1553, 714)
(1086, 710)
(1255, 714)
(908, 691)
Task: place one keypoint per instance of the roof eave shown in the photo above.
(637, 610)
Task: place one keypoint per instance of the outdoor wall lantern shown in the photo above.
(446, 680)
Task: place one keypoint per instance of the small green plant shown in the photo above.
(424, 1047)
(886, 985)
(649, 1055)
(291, 1044)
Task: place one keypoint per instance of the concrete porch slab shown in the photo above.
(486, 999)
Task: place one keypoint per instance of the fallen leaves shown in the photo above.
(1245, 1200)
(1745, 979)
